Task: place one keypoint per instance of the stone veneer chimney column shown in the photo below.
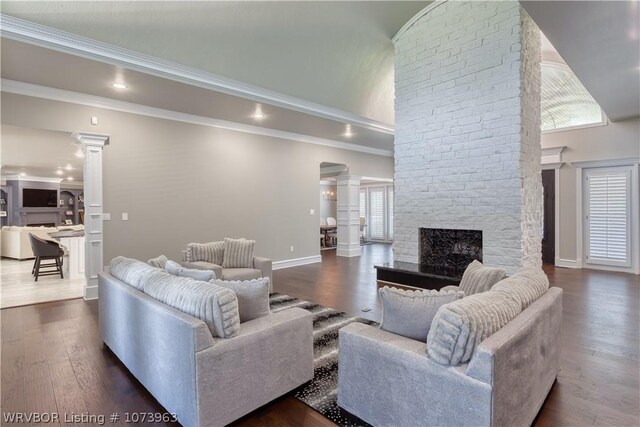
(467, 144)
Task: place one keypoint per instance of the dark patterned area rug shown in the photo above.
(321, 393)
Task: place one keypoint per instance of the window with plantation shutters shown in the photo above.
(363, 203)
(608, 214)
(376, 213)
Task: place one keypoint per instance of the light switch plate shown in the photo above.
(94, 120)
(106, 216)
(311, 211)
(125, 216)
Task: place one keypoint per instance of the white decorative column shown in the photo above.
(348, 216)
(92, 145)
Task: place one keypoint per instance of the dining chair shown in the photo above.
(46, 250)
(323, 222)
(332, 236)
(363, 226)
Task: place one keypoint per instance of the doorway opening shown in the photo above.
(329, 203)
(42, 195)
(549, 216)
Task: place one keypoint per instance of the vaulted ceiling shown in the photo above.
(337, 54)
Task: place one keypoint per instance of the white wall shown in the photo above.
(184, 183)
(615, 140)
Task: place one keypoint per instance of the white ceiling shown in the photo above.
(337, 54)
(600, 41)
(38, 153)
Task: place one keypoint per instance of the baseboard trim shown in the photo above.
(567, 263)
(287, 263)
(349, 252)
(90, 292)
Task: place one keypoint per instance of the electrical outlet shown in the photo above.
(106, 216)
(311, 212)
(291, 249)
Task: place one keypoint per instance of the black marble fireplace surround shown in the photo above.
(448, 252)
(444, 254)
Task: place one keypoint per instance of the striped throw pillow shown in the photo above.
(238, 253)
(478, 278)
(212, 252)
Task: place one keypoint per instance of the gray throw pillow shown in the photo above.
(253, 296)
(212, 252)
(130, 271)
(178, 270)
(410, 313)
(238, 253)
(478, 278)
(158, 262)
(524, 287)
(460, 327)
(214, 305)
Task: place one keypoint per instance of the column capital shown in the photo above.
(91, 139)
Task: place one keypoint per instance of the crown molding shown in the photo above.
(45, 92)
(62, 41)
(92, 139)
(605, 163)
(32, 178)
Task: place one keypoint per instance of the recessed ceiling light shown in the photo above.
(69, 167)
(79, 153)
(347, 131)
(59, 171)
(70, 178)
(23, 174)
(258, 114)
(119, 85)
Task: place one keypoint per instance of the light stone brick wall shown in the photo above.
(467, 143)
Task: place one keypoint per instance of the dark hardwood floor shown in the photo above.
(52, 359)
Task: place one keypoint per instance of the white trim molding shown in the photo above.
(45, 92)
(552, 155)
(62, 41)
(31, 178)
(607, 163)
(288, 263)
(566, 263)
(92, 145)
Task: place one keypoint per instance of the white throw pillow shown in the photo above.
(410, 313)
(178, 270)
(238, 253)
(478, 278)
(253, 296)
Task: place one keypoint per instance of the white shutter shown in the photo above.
(363, 203)
(390, 213)
(376, 213)
(608, 216)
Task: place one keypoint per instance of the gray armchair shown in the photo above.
(262, 267)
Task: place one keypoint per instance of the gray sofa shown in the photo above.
(204, 380)
(386, 379)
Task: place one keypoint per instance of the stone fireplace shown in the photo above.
(467, 131)
(448, 252)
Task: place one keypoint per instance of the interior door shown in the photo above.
(549, 215)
